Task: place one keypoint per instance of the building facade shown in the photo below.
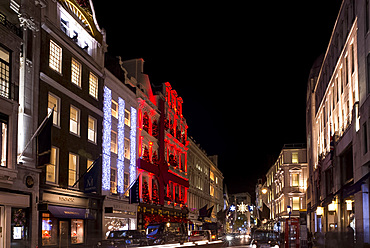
(284, 191)
(337, 116)
(19, 57)
(119, 148)
(162, 150)
(205, 184)
(71, 91)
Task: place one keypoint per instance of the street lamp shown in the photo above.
(264, 191)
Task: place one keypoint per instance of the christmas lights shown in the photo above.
(107, 126)
(133, 146)
(242, 208)
(121, 143)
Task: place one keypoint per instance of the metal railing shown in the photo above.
(13, 28)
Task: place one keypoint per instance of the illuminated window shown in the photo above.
(77, 231)
(54, 102)
(93, 85)
(76, 72)
(72, 169)
(49, 231)
(113, 180)
(113, 142)
(114, 109)
(74, 120)
(55, 57)
(4, 139)
(127, 117)
(296, 203)
(52, 168)
(89, 163)
(4, 72)
(91, 130)
(295, 180)
(126, 183)
(127, 148)
(211, 175)
(294, 157)
(211, 190)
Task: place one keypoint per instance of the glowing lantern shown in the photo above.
(319, 211)
(332, 206)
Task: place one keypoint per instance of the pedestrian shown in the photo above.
(349, 236)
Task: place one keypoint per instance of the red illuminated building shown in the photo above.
(162, 148)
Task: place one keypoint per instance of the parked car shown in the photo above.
(164, 233)
(123, 239)
(265, 239)
(200, 235)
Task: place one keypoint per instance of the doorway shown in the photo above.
(63, 233)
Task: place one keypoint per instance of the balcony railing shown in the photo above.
(13, 28)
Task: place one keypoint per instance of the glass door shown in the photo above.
(63, 233)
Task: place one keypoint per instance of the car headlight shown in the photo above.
(229, 238)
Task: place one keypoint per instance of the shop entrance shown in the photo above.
(63, 233)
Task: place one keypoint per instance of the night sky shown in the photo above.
(241, 69)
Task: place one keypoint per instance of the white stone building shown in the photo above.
(205, 183)
(337, 126)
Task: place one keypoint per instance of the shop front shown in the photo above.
(118, 215)
(14, 219)
(67, 221)
(159, 214)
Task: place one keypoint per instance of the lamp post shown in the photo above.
(289, 209)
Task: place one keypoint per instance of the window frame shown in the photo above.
(78, 120)
(127, 148)
(55, 62)
(294, 203)
(4, 120)
(94, 130)
(93, 81)
(56, 114)
(128, 119)
(113, 180)
(56, 166)
(76, 169)
(115, 148)
(7, 68)
(79, 66)
(295, 158)
(293, 175)
(114, 111)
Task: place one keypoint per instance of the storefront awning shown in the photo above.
(69, 213)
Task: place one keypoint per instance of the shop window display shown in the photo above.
(49, 230)
(19, 225)
(77, 231)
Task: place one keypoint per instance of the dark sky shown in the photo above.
(241, 69)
